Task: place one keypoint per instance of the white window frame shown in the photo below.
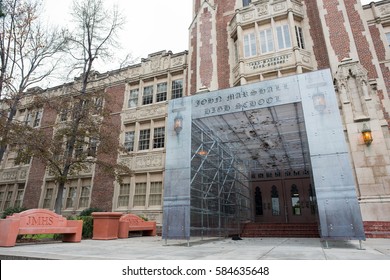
(266, 41)
(283, 37)
(250, 48)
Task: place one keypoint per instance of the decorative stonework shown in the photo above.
(354, 88)
(384, 9)
(148, 161)
(247, 16)
(14, 174)
(262, 10)
(279, 7)
(142, 162)
(144, 112)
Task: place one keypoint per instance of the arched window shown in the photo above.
(258, 201)
(275, 201)
(295, 203)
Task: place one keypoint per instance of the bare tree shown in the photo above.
(72, 144)
(29, 53)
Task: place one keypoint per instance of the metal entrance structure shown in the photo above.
(217, 139)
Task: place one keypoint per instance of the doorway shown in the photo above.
(284, 200)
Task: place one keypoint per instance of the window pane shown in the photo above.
(299, 35)
(148, 95)
(159, 137)
(84, 196)
(139, 194)
(129, 141)
(283, 35)
(287, 38)
(48, 198)
(266, 41)
(70, 199)
(123, 198)
(144, 136)
(161, 92)
(249, 45)
(133, 98)
(388, 38)
(155, 196)
(177, 89)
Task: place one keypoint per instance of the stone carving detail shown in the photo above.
(247, 16)
(177, 61)
(262, 10)
(135, 72)
(148, 161)
(155, 111)
(23, 174)
(130, 116)
(353, 88)
(12, 175)
(126, 162)
(279, 7)
(384, 9)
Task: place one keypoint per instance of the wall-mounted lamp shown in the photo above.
(178, 123)
(367, 135)
(319, 102)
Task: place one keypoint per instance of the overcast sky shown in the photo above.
(152, 25)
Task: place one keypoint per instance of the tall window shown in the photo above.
(246, 2)
(250, 45)
(283, 35)
(11, 195)
(299, 34)
(155, 196)
(133, 98)
(129, 141)
(161, 92)
(147, 98)
(71, 197)
(177, 89)
(388, 38)
(139, 194)
(84, 196)
(144, 136)
(28, 119)
(258, 201)
(295, 203)
(37, 119)
(266, 41)
(275, 201)
(159, 138)
(49, 194)
(19, 195)
(124, 195)
(92, 147)
(236, 55)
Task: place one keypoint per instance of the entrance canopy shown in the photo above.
(287, 123)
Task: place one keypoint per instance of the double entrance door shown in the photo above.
(284, 201)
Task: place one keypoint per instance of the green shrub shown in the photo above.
(87, 226)
(11, 210)
(88, 211)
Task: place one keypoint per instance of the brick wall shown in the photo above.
(103, 181)
(206, 48)
(38, 168)
(316, 32)
(225, 14)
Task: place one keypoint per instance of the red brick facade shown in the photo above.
(103, 185)
(35, 183)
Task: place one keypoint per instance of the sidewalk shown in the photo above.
(154, 248)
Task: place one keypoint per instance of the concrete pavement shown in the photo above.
(154, 248)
